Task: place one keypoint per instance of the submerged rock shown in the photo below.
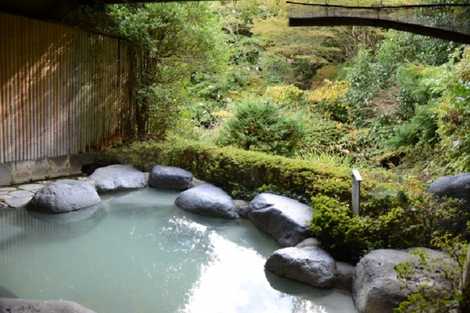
(118, 177)
(453, 186)
(310, 265)
(207, 200)
(377, 288)
(64, 196)
(285, 219)
(8, 305)
(168, 177)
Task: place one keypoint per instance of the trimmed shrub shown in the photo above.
(420, 221)
(262, 126)
(242, 173)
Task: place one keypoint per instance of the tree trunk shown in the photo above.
(465, 307)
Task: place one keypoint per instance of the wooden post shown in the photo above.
(465, 305)
(356, 191)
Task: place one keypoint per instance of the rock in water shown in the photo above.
(207, 200)
(168, 177)
(453, 186)
(285, 219)
(377, 288)
(64, 196)
(118, 177)
(36, 306)
(310, 265)
(18, 199)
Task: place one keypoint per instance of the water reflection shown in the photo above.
(5, 293)
(141, 254)
(233, 281)
(19, 225)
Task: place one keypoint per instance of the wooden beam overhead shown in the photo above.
(136, 1)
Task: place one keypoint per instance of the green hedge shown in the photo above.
(245, 173)
(240, 172)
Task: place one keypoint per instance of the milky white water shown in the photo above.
(138, 253)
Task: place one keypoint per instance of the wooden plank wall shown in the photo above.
(63, 91)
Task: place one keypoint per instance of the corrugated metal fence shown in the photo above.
(63, 91)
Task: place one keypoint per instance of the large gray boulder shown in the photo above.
(64, 196)
(118, 177)
(207, 200)
(377, 287)
(285, 219)
(453, 186)
(310, 265)
(37, 306)
(168, 177)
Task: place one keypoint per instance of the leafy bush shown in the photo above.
(370, 72)
(364, 84)
(419, 85)
(242, 173)
(463, 67)
(329, 99)
(276, 69)
(322, 136)
(400, 47)
(398, 222)
(288, 96)
(422, 128)
(454, 125)
(262, 126)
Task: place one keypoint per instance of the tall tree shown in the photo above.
(169, 42)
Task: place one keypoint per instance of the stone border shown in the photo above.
(16, 197)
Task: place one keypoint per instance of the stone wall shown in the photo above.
(27, 171)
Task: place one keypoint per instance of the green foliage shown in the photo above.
(242, 173)
(263, 126)
(422, 128)
(402, 47)
(287, 96)
(454, 114)
(364, 84)
(369, 72)
(390, 221)
(322, 136)
(419, 85)
(169, 43)
(344, 235)
(329, 99)
(276, 69)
